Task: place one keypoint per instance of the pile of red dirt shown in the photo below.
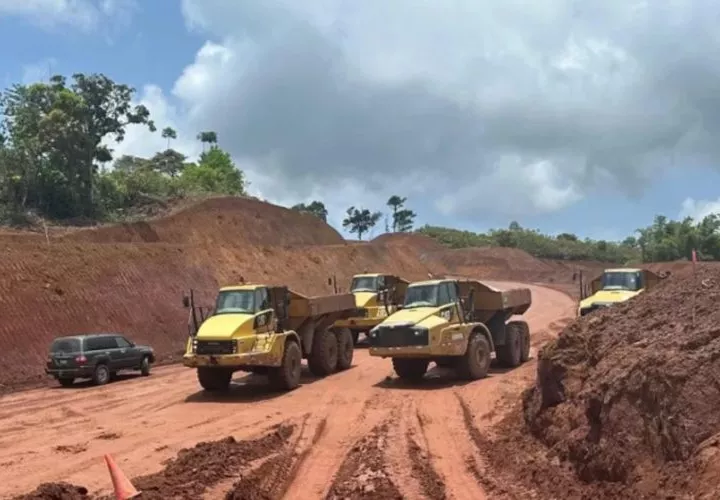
(220, 221)
(628, 398)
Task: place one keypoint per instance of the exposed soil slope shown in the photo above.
(628, 398)
(221, 221)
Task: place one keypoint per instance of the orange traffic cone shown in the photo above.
(121, 484)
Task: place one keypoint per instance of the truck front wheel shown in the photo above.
(323, 358)
(475, 364)
(214, 379)
(286, 377)
(411, 370)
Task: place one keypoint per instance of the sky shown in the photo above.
(588, 117)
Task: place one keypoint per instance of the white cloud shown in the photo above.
(515, 108)
(699, 209)
(82, 14)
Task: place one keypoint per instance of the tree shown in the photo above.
(215, 173)
(169, 162)
(57, 131)
(207, 137)
(360, 221)
(403, 219)
(169, 134)
(316, 208)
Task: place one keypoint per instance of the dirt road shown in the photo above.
(423, 440)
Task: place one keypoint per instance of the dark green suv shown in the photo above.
(96, 356)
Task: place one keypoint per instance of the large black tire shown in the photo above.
(475, 363)
(101, 375)
(286, 377)
(510, 354)
(411, 370)
(346, 348)
(323, 357)
(214, 379)
(66, 382)
(525, 338)
(145, 366)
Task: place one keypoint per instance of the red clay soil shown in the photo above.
(221, 221)
(191, 474)
(626, 401)
(130, 278)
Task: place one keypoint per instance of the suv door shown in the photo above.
(128, 356)
(104, 348)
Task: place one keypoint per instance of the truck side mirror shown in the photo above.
(186, 301)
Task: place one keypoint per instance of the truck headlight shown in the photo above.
(420, 330)
(194, 345)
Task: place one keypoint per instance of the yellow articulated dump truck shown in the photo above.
(376, 297)
(614, 286)
(456, 323)
(267, 330)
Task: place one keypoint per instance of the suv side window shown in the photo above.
(122, 342)
(100, 343)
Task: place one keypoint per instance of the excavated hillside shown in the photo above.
(131, 277)
(626, 401)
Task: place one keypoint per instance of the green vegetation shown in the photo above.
(55, 159)
(54, 154)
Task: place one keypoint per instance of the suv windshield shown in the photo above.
(621, 281)
(65, 345)
(235, 301)
(364, 284)
(421, 296)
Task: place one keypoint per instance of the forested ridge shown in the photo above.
(57, 163)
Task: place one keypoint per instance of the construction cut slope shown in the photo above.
(220, 221)
(71, 287)
(627, 398)
(130, 277)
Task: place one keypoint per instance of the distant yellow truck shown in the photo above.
(377, 295)
(614, 286)
(267, 330)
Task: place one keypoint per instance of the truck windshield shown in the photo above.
(66, 345)
(364, 284)
(235, 301)
(621, 281)
(421, 296)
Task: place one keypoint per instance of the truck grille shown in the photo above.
(216, 347)
(401, 336)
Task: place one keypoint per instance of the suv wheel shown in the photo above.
(101, 376)
(145, 366)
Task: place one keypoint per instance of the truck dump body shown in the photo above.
(329, 307)
(488, 300)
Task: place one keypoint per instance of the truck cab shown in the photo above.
(377, 295)
(614, 286)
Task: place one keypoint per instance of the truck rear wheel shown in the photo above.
(525, 336)
(510, 354)
(214, 379)
(323, 358)
(346, 349)
(475, 364)
(412, 370)
(286, 377)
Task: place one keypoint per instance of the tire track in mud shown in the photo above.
(477, 464)
(343, 425)
(365, 473)
(449, 445)
(431, 482)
